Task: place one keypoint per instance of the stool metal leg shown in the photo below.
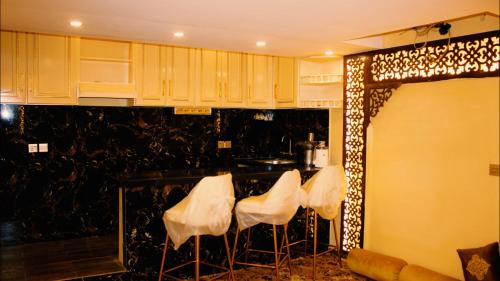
(306, 231)
(235, 244)
(197, 257)
(248, 243)
(285, 228)
(337, 243)
(163, 258)
(229, 261)
(315, 243)
(276, 259)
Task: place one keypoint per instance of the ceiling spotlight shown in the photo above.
(328, 53)
(261, 43)
(179, 34)
(75, 23)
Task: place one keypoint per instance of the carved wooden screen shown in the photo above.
(370, 79)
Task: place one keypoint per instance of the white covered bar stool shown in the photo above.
(207, 210)
(325, 192)
(276, 207)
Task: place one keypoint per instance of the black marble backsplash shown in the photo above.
(70, 191)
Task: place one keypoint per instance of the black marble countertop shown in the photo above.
(185, 176)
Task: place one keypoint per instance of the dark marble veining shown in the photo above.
(70, 191)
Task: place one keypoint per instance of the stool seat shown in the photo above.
(277, 206)
(325, 191)
(205, 211)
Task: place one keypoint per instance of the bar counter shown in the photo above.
(145, 196)
(186, 176)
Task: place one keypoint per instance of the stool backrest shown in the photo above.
(326, 190)
(284, 197)
(211, 203)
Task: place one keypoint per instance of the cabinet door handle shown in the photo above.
(275, 91)
(169, 88)
(163, 87)
(219, 89)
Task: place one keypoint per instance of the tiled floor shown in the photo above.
(58, 260)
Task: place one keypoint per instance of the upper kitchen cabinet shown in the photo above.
(234, 87)
(221, 82)
(52, 69)
(210, 82)
(13, 67)
(180, 76)
(109, 69)
(285, 77)
(152, 86)
(260, 81)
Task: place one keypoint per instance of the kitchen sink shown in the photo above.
(275, 161)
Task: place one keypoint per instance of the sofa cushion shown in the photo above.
(417, 273)
(481, 264)
(375, 266)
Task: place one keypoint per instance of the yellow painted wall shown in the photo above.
(428, 189)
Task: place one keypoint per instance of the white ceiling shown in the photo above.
(290, 27)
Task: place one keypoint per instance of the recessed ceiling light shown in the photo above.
(261, 43)
(75, 23)
(328, 53)
(179, 34)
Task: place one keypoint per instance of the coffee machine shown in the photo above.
(305, 151)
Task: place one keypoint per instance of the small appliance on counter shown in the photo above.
(320, 155)
(305, 151)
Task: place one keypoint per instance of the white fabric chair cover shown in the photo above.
(325, 191)
(277, 206)
(206, 210)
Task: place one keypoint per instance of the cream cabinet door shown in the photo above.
(52, 69)
(234, 80)
(209, 91)
(180, 76)
(152, 84)
(285, 79)
(260, 81)
(13, 67)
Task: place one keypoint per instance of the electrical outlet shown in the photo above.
(43, 147)
(32, 148)
(223, 144)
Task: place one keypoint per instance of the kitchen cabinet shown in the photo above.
(180, 76)
(285, 73)
(13, 58)
(235, 80)
(210, 78)
(260, 81)
(110, 69)
(221, 82)
(152, 82)
(52, 69)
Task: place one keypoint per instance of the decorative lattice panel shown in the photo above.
(354, 145)
(379, 96)
(474, 56)
(370, 79)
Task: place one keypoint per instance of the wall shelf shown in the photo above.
(320, 79)
(321, 103)
(106, 59)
